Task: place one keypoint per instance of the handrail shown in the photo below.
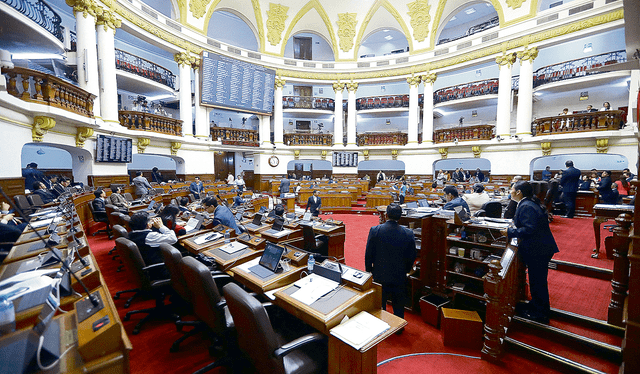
(134, 120)
(41, 13)
(307, 102)
(384, 138)
(579, 122)
(471, 89)
(308, 139)
(231, 136)
(39, 87)
(467, 133)
(144, 68)
(493, 22)
(576, 68)
(384, 101)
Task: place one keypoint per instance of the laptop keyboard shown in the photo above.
(261, 271)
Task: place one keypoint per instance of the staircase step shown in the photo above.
(608, 351)
(566, 363)
(592, 323)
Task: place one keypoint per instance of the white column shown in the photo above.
(525, 91)
(184, 68)
(264, 130)
(633, 97)
(412, 129)
(106, 25)
(351, 114)
(203, 130)
(337, 115)
(87, 54)
(503, 121)
(427, 108)
(278, 125)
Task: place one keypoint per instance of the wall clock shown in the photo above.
(274, 161)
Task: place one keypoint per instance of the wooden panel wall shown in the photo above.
(12, 187)
(105, 181)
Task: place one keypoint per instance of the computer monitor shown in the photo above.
(271, 256)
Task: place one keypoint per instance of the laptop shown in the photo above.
(256, 223)
(412, 205)
(268, 264)
(278, 225)
(239, 216)
(194, 223)
(423, 203)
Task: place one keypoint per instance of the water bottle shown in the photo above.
(227, 236)
(7, 316)
(310, 263)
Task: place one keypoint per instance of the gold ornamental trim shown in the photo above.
(346, 30)
(174, 148)
(546, 148)
(41, 125)
(276, 16)
(602, 145)
(82, 134)
(444, 152)
(529, 54)
(107, 19)
(143, 143)
(420, 18)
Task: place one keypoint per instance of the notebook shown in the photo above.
(268, 264)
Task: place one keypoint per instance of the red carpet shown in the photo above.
(151, 347)
(576, 240)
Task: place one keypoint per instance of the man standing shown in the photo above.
(284, 186)
(142, 184)
(196, 188)
(390, 253)
(314, 203)
(546, 174)
(31, 174)
(570, 182)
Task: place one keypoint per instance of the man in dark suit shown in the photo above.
(99, 203)
(314, 203)
(196, 188)
(390, 253)
(284, 186)
(570, 182)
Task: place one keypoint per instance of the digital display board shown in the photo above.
(113, 149)
(229, 83)
(346, 159)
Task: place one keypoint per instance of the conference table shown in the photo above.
(605, 212)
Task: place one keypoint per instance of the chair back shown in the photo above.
(22, 203)
(128, 197)
(256, 337)
(133, 262)
(309, 238)
(493, 209)
(173, 261)
(98, 216)
(205, 294)
(112, 214)
(120, 232)
(35, 200)
(124, 221)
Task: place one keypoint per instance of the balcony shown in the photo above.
(580, 122)
(382, 102)
(144, 68)
(307, 102)
(381, 138)
(231, 136)
(464, 134)
(150, 122)
(42, 88)
(41, 13)
(576, 68)
(467, 90)
(308, 139)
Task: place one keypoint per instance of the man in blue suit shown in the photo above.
(284, 186)
(221, 213)
(390, 253)
(196, 188)
(570, 182)
(314, 203)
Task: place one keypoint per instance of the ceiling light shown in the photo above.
(388, 37)
(470, 11)
(453, 18)
(587, 48)
(385, 30)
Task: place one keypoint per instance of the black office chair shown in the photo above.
(100, 216)
(124, 221)
(36, 201)
(23, 204)
(270, 350)
(493, 209)
(314, 243)
(145, 281)
(210, 308)
(119, 232)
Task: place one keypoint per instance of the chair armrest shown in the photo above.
(153, 266)
(295, 344)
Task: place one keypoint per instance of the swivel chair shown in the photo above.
(265, 347)
(493, 209)
(35, 200)
(100, 216)
(23, 204)
(119, 232)
(314, 243)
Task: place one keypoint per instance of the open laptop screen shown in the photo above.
(278, 222)
(423, 203)
(257, 219)
(271, 256)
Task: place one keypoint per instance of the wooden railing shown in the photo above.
(504, 288)
(308, 139)
(39, 87)
(580, 122)
(231, 136)
(150, 122)
(384, 138)
(620, 278)
(462, 134)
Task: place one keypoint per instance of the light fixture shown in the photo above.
(40, 151)
(587, 48)
(388, 37)
(453, 18)
(470, 11)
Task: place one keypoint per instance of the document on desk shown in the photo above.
(233, 247)
(312, 288)
(44, 222)
(359, 330)
(207, 238)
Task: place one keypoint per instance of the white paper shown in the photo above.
(205, 238)
(45, 222)
(233, 247)
(312, 288)
(360, 330)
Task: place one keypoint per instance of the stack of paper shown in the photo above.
(233, 247)
(360, 329)
(312, 288)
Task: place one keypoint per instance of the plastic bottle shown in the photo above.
(7, 316)
(227, 236)
(310, 262)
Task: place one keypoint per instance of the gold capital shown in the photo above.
(107, 19)
(507, 59)
(476, 151)
(444, 152)
(429, 78)
(184, 58)
(41, 125)
(280, 82)
(142, 144)
(352, 86)
(86, 7)
(602, 145)
(174, 148)
(414, 81)
(529, 54)
(546, 148)
(338, 86)
(82, 134)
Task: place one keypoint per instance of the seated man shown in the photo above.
(148, 234)
(453, 200)
(100, 202)
(118, 200)
(10, 228)
(220, 213)
(40, 189)
(238, 200)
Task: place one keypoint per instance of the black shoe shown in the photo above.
(399, 332)
(536, 318)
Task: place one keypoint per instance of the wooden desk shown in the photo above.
(605, 212)
(585, 201)
(227, 260)
(337, 236)
(262, 285)
(189, 244)
(293, 235)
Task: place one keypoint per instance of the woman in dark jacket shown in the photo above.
(604, 187)
(536, 247)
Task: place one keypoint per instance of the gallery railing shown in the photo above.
(40, 13)
(380, 102)
(580, 122)
(381, 138)
(461, 91)
(139, 66)
(308, 139)
(468, 133)
(307, 102)
(150, 122)
(576, 68)
(231, 136)
(39, 87)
